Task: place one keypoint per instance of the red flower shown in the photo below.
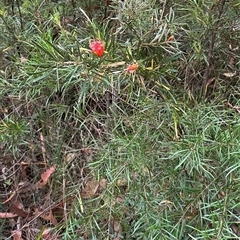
(132, 68)
(97, 48)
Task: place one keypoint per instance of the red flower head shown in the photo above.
(132, 68)
(97, 47)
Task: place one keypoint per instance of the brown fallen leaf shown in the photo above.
(115, 228)
(236, 108)
(17, 208)
(7, 215)
(45, 176)
(17, 235)
(48, 235)
(91, 188)
(11, 196)
(118, 200)
(48, 217)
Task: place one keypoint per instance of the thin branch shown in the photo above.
(163, 9)
(210, 66)
(20, 14)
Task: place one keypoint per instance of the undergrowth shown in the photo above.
(144, 138)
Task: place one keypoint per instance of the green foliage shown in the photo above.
(13, 133)
(161, 141)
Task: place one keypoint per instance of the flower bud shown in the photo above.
(97, 47)
(132, 68)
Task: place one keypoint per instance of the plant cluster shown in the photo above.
(128, 113)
